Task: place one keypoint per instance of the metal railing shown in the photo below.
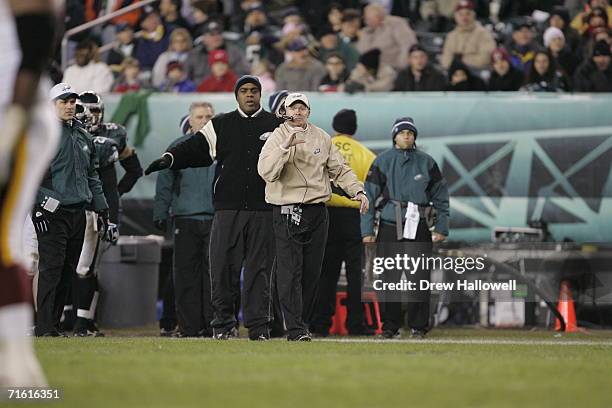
(93, 23)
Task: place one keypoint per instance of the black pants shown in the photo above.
(299, 256)
(59, 249)
(165, 290)
(239, 237)
(343, 245)
(191, 276)
(418, 309)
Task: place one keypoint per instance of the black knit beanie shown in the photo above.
(247, 79)
(345, 122)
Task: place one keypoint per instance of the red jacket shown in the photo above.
(222, 84)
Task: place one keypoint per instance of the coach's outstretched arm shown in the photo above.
(197, 151)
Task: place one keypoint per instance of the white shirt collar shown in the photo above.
(244, 115)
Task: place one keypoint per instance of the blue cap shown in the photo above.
(274, 102)
(405, 123)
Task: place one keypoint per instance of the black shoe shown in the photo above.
(205, 333)
(93, 328)
(80, 328)
(261, 337)
(226, 335)
(389, 334)
(167, 333)
(362, 331)
(53, 333)
(417, 334)
(300, 337)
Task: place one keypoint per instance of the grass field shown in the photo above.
(453, 368)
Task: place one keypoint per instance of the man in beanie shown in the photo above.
(343, 235)
(298, 163)
(595, 75)
(242, 225)
(371, 75)
(410, 187)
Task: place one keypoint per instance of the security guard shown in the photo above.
(406, 184)
(70, 185)
(298, 162)
(186, 196)
(344, 235)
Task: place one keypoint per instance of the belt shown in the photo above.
(426, 212)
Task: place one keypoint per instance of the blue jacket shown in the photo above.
(405, 176)
(184, 193)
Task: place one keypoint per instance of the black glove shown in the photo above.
(102, 222)
(163, 162)
(161, 225)
(40, 220)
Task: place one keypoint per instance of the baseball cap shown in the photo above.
(296, 97)
(213, 28)
(217, 56)
(464, 4)
(297, 45)
(62, 91)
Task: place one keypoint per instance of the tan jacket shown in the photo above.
(475, 44)
(394, 38)
(302, 173)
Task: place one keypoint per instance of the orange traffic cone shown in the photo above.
(566, 309)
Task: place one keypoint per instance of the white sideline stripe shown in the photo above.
(475, 341)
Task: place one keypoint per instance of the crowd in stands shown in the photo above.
(345, 46)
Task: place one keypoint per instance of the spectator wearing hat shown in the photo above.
(301, 72)
(221, 78)
(350, 26)
(504, 77)
(170, 12)
(298, 193)
(330, 43)
(461, 78)
(343, 235)
(153, 41)
(599, 34)
(336, 76)
(124, 46)
(439, 13)
(554, 41)
(128, 80)
(178, 50)
(390, 34)
(595, 74)
(197, 66)
(371, 74)
(560, 18)
(469, 40)
(201, 12)
(235, 140)
(522, 46)
(582, 21)
(544, 76)
(176, 79)
(87, 73)
(419, 76)
(408, 185)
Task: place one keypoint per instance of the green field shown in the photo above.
(453, 368)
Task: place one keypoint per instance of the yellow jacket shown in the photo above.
(359, 158)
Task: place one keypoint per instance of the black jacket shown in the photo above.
(237, 140)
(431, 80)
(512, 81)
(589, 79)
